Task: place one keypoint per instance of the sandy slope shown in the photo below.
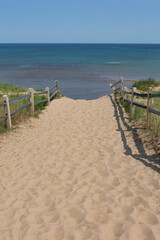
(66, 176)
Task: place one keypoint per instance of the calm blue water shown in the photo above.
(83, 70)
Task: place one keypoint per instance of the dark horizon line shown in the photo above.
(78, 43)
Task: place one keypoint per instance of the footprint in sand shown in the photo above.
(54, 217)
(127, 209)
(113, 230)
(25, 196)
(114, 181)
(84, 232)
(142, 232)
(57, 234)
(99, 197)
(77, 215)
(97, 216)
(147, 218)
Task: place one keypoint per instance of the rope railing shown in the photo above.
(128, 92)
(140, 105)
(18, 99)
(155, 95)
(149, 95)
(140, 94)
(3, 117)
(39, 93)
(51, 89)
(53, 94)
(49, 93)
(24, 106)
(116, 83)
(40, 101)
(154, 111)
(2, 104)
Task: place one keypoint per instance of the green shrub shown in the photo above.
(143, 85)
(140, 113)
(14, 92)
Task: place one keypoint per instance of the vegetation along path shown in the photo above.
(73, 174)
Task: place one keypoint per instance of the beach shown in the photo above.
(76, 173)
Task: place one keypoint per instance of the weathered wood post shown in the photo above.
(133, 99)
(47, 95)
(7, 112)
(58, 93)
(124, 95)
(30, 90)
(121, 85)
(112, 87)
(149, 105)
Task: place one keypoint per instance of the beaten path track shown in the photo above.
(72, 174)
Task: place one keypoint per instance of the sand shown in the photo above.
(67, 176)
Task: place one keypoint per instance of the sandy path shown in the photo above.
(66, 176)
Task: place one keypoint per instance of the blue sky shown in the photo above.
(79, 21)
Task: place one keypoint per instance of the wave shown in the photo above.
(113, 63)
(25, 66)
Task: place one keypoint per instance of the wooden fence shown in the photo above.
(149, 95)
(49, 93)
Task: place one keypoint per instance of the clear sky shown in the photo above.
(79, 21)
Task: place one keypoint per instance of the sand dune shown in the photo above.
(67, 176)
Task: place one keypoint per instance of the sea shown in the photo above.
(83, 71)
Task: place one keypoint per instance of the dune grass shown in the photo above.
(140, 113)
(144, 84)
(10, 88)
(14, 91)
(7, 87)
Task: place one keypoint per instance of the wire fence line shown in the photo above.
(47, 93)
(149, 95)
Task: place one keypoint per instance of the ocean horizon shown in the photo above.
(83, 70)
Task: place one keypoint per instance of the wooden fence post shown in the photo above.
(149, 105)
(47, 95)
(132, 110)
(124, 95)
(121, 86)
(112, 87)
(58, 93)
(30, 90)
(7, 112)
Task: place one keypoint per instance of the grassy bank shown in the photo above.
(13, 92)
(7, 88)
(144, 84)
(141, 114)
